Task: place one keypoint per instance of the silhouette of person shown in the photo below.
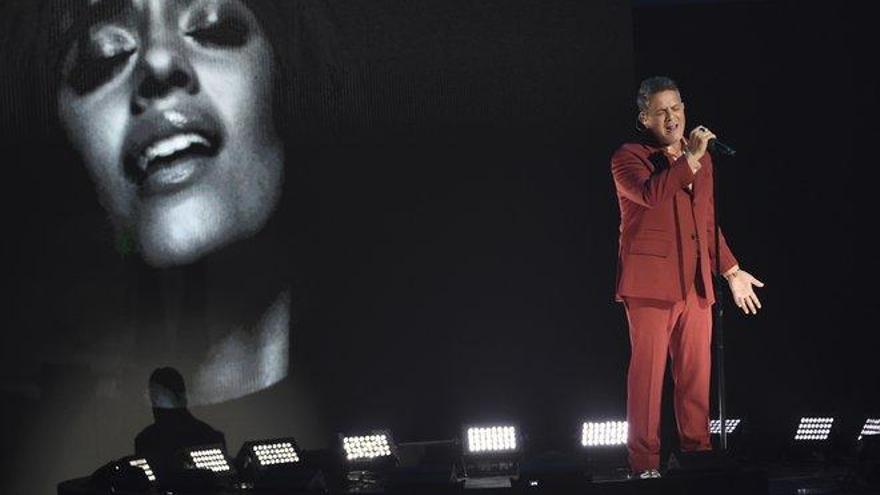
(174, 427)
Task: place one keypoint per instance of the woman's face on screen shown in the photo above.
(168, 102)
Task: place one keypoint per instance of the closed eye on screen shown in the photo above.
(226, 32)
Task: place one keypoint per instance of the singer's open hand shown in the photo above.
(698, 141)
(742, 285)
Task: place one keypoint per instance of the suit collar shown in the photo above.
(645, 138)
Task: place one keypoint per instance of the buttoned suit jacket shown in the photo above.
(659, 246)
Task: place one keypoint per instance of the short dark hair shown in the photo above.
(171, 380)
(651, 86)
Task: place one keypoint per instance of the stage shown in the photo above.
(552, 473)
(332, 217)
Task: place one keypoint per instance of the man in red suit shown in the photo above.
(664, 276)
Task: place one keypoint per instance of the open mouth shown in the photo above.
(174, 161)
(169, 150)
(165, 152)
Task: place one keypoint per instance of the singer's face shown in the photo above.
(664, 117)
(169, 105)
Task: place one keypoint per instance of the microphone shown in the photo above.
(716, 146)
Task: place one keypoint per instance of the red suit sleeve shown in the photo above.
(633, 178)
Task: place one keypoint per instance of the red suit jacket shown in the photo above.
(665, 229)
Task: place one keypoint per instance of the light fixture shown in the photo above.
(370, 459)
(491, 439)
(813, 429)
(266, 454)
(129, 474)
(377, 446)
(490, 455)
(602, 448)
(208, 457)
(277, 464)
(140, 462)
(871, 428)
(729, 425)
(603, 433)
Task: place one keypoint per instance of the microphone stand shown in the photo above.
(718, 317)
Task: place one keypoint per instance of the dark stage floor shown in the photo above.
(772, 478)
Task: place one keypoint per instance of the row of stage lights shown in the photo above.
(809, 429)
(363, 450)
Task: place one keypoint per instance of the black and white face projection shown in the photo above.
(169, 105)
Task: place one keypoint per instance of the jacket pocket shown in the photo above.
(650, 247)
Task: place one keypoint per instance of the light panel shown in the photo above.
(212, 459)
(271, 454)
(814, 429)
(729, 424)
(491, 439)
(872, 427)
(367, 447)
(143, 464)
(604, 433)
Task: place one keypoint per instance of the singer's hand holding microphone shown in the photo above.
(699, 141)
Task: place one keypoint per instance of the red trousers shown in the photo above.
(682, 330)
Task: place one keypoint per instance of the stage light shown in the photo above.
(603, 433)
(129, 475)
(257, 457)
(267, 453)
(144, 465)
(211, 458)
(198, 468)
(370, 459)
(602, 447)
(490, 455)
(871, 427)
(868, 449)
(729, 424)
(491, 439)
(814, 429)
(277, 464)
(367, 448)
